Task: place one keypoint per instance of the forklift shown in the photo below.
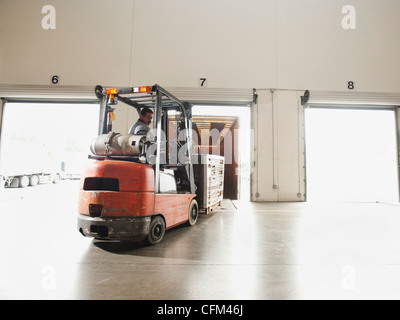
(139, 186)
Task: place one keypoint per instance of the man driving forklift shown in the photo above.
(142, 126)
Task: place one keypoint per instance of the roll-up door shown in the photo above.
(193, 95)
(357, 100)
(36, 92)
(214, 95)
(352, 99)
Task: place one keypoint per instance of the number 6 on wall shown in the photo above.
(55, 80)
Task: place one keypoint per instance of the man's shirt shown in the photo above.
(139, 128)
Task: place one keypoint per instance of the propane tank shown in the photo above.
(118, 144)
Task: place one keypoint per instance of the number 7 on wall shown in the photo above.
(203, 82)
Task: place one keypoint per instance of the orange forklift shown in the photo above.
(139, 186)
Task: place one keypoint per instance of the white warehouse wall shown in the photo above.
(231, 43)
(315, 52)
(286, 45)
(91, 43)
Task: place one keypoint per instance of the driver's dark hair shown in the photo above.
(145, 111)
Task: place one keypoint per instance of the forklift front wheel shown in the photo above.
(156, 230)
(193, 213)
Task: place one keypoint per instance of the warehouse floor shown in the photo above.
(241, 251)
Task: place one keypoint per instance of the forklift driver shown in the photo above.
(141, 127)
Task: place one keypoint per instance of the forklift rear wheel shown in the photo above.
(193, 213)
(156, 230)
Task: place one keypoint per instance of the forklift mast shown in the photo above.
(161, 140)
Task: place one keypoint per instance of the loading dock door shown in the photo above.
(216, 135)
(351, 155)
(233, 123)
(47, 137)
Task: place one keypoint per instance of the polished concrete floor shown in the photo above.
(241, 251)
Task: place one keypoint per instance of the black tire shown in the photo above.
(193, 213)
(156, 230)
(34, 180)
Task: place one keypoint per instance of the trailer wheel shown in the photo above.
(23, 181)
(34, 180)
(156, 230)
(56, 179)
(193, 213)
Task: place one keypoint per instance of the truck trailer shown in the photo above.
(26, 164)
